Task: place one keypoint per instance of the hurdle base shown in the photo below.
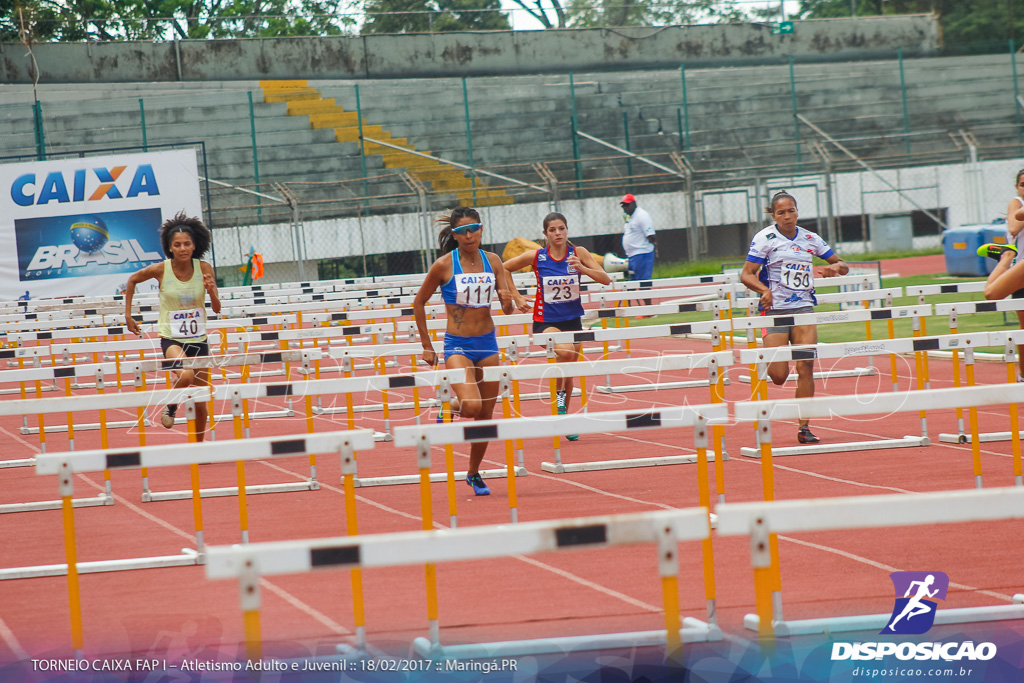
(24, 462)
(435, 477)
(693, 631)
(56, 504)
(382, 436)
(606, 389)
(28, 390)
(966, 438)
(562, 468)
(155, 496)
(877, 622)
(882, 444)
(87, 427)
(187, 558)
(826, 374)
(424, 403)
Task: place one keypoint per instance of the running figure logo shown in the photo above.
(914, 613)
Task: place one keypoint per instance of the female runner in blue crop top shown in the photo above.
(469, 278)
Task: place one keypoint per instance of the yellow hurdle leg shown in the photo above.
(253, 647)
(71, 553)
(972, 416)
(1011, 377)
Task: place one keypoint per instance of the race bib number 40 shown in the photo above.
(474, 290)
(797, 275)
(188, 324)
(558, 289)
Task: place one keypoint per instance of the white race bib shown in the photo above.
(797, 275)
(561, 288)
(188, 324)
(474, 290)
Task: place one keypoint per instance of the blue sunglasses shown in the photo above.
(467, 228)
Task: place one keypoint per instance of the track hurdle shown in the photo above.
(65, 465)
(763, 412)
(759, 520)
(761, 358)
(713, 362)
(664, 528)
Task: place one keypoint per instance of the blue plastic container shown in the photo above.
(961, 248)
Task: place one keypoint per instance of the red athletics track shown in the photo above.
(176, 612)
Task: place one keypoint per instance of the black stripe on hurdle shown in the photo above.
(473, 433)
(259, 301)
(805, 354)
(881, 315)
(63, 372)
(639, 420)
(708, 278)
(680, 329)
(7, 353)
(339, 316)
(945, 289)
(119, 460)
(279, 390)
(307, 290)
(985, 306)
(90, 311)
(146, 309)
(31, 316)
(406, 311)
(783, 321)
(584, 337)
(257, 288)
(398, 382)
(606, 313)
(286, 447)
(332, 557)
(69, 301)
(646, 284)
(269, 336)
(581, 535)
(687, 308)
(926, 344)
(351, 331)
(172, 364)
(275, 357)
(372, 292)
(259, 321)
(394, 300)
(44, 335)
(318, 297)
(115, 330)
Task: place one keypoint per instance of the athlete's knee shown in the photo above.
(565, 355)
(778, 375)
(805, 369)
(471, 408)
(186, 378)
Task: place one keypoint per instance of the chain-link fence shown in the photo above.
(328, 179)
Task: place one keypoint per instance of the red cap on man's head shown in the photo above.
(628, 199)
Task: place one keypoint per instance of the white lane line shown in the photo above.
(12, 642)
(888, 568)
(303, 607)
(589, 584)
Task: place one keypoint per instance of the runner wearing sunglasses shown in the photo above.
(469, 278)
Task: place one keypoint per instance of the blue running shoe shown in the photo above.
(477, 482)
(562, 410)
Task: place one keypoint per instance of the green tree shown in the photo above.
(72, 20)
(425, 16)
(976, 26)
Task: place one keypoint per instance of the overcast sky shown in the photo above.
(522, 21)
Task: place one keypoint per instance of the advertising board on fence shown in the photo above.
(80, 227)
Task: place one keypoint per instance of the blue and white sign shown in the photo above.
(80, 227)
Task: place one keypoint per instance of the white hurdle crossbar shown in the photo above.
(761, 520)
(65, 465)
(663, 528)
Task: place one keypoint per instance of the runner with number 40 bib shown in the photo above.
(184, 283)
(780, 267)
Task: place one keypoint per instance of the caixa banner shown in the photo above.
(80, 227)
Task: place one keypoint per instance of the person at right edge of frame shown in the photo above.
(779, 267)
(638, 241)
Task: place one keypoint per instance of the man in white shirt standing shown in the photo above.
(638, 240)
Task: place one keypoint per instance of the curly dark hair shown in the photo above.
(446, 241)
(190, 225)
